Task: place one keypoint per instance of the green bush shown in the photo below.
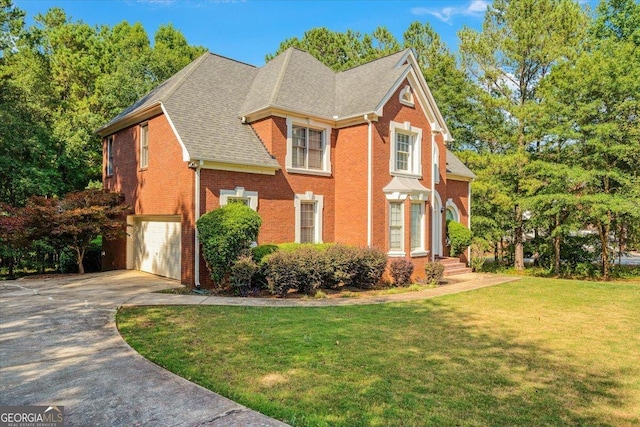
(225, 233)
(401, 270)
(459, 237)
(282, 272)
(479, 248)
(368, 268)
(306, 268)
(433, 272)
(242, 272)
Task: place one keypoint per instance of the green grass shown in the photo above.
(531, 353)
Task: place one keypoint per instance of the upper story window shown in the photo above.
(308, 147)
(144, 146)
(406, 152)
(109, 170)
(406, 96)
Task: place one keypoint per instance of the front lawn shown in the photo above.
(532, 352)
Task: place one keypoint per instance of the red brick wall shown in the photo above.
(165, 187)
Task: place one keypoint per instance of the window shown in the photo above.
(308, 147)
(416, 226)
(406, 96)
(396, 229)
(406, 150)
(436, 162)
(239, 195)
(110, 156)
(307, 223)
(453, 214)
(144, 146)
(308, 218)
(403, 151)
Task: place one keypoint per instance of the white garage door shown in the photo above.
(156, 246)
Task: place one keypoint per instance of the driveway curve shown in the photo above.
(59, 346)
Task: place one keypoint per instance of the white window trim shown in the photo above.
(394, 253)
(144, 148)
(420, 251)
(319, 206)
(109, 170)
(326, 146)
(239, 193)
(406, 96)
(436, 162)
(415, 160)
(454, 208)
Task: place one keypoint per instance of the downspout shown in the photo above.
(196, 249)
(433, 194)
(369, 183)
(469, 222)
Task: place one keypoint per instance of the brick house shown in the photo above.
(356, 157)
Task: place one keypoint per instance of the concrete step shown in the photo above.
(453, 266)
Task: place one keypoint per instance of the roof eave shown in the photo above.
(131, 119)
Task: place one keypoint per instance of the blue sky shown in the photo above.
(247, 30)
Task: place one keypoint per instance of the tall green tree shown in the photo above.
(519, 43)
(171, 52)
(600, 118)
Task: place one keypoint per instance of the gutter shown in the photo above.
(369, 183)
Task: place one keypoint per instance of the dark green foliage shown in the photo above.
(91, 262)
(401, 270)
(305, 268)
(459, 237)
(242, 272)
(225, 233)
(433, 272)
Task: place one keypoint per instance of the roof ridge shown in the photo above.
(373, 60)
(233, 60)
(276, 87)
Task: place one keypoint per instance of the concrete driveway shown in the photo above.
(59, 346)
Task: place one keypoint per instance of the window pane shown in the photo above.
(315, 139)
(416, 226)
(243, 200)
(144, 146)
(403, 151)
(395, 226)
(298, 159)
(307, 222)
(299, 136)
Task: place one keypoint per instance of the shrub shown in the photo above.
(478, 249)
(459, 237)
(369, 266)
(282, 273)
(225, 234)
(433, 272)
(401, 270)
(242, 272)
(306, 268)
(259, 279)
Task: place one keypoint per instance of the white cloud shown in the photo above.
(473, 8)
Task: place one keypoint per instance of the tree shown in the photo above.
(519, 42)
(226, 233)
(170, 53)
(82, 216)
(602, 117)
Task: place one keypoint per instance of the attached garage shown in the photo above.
(154, 245)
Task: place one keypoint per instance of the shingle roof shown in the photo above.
(456, 167)
(207, 98)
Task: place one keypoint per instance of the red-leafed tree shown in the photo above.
(82, 216)
(13, 235)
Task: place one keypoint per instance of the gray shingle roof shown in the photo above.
(206, 99)
(456, 167)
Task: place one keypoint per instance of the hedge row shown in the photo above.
(306, 268)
